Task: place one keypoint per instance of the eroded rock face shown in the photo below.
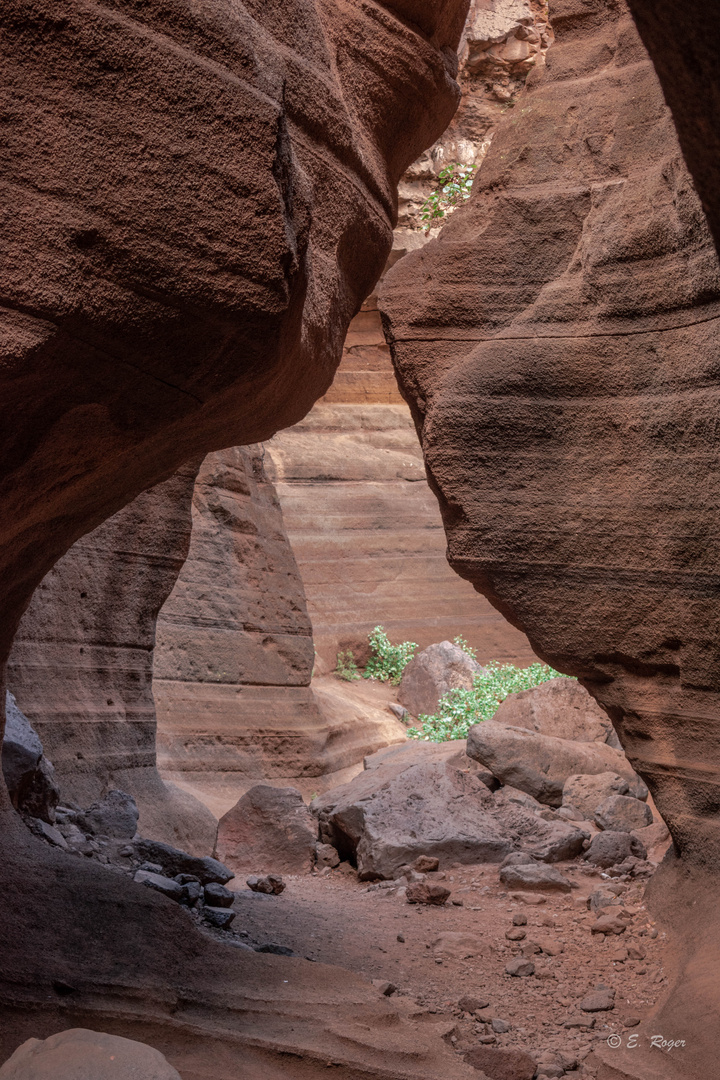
(571, 310)
(199, 266)
(82, 661)
(559, 346)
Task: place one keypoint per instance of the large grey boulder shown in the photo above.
(29, 776)
(173, 862)
(623, 814)
(432, 673)
(540, 764)
(534, 877)
(270, 829)
(611, 848)
(79, 1054)
(423, 803)
(585, 793)
(559, 707)
(116, 815)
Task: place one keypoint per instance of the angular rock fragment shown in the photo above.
(268, 829)
(559, 707)
(601, 999)
(216, 895)
(534, 877)
(611, 848)
(540, 764)
(520, 967)
(434, 671)
(500, 1063)
(219, 917)
(29, 776)
(326, 855)
(173, 861)
(622, 814)
(608, 924)
(165, 885)
(272, 884)
(116, 815)
(585, 793)
(421, 892)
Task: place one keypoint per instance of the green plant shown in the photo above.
(388, 661)
(462, 644)
(458, 710)
(346, 666)
(454, 187)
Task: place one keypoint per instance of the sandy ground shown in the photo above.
(338, 920)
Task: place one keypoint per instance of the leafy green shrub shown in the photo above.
(346, 666)
(462, 644)
(387, 662)
(454, 187)
(458, 710)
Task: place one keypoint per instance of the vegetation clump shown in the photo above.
(455, 184)
(346, 667)
(388, 661)
(458, 710)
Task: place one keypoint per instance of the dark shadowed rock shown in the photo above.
(268, 829)
(219, 917)
(434, 671)
(116, 816)
(29, 776)
(623, 814)
(534, 877)
(539, 764)
(611, 848)
(559, 707)
(79, 1054)
(165, 885)
(174, 861)
(216, 895)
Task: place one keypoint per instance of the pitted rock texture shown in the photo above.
(559, 353)
(199, 264)
(559, 346)
(81, 665)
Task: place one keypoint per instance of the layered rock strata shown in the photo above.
(202, 196)
(82, 662)
(363, 523)
(559, 346)
(234, 653)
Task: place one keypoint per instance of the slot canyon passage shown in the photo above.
(210, 209)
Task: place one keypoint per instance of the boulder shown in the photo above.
(423, 892)
(173, 861)
(540, 764)
(268, 829)
(612, 848)
(601, 999)
(388, 816)
(623, 814)
(432, 673)
(326, 855)
(416, 752)
(457, 945)
(560, 707)
(270, 884)
(217, 895)
(219, 917)
(116, 816)
(167, 886)
(499, 1063)
(534, 877)
(585, 793)
(29, 776)
(79, 1054)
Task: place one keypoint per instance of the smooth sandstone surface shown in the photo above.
(82, 661)
(80, 1054)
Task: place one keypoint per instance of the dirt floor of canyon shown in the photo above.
(438, 955)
